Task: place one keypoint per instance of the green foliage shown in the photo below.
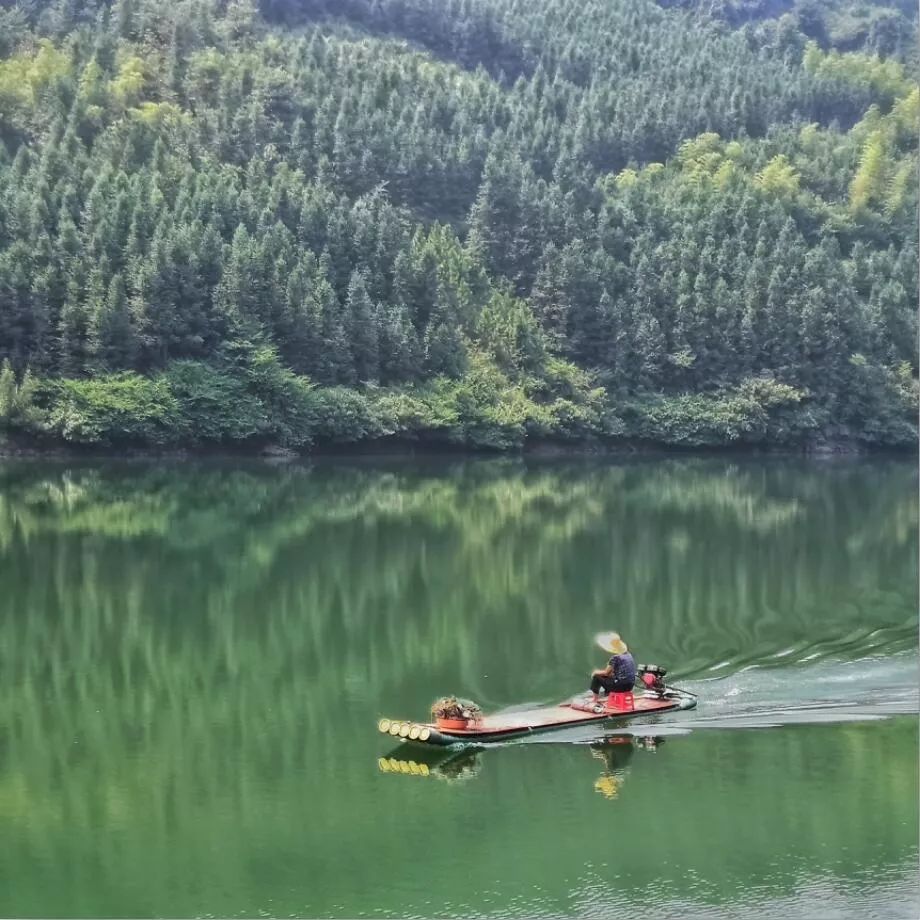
(121, 409)
(344, 416)
(869, 182)
(253, 401)
(129, 83)
(488, 409)
(491, 412)
(779, 177)
(18, 407)
(756, 411)
(215, 407)
(286, 399)
(7, 391)
(879, 26)
(510, 333)
(25, 76)
(881, 404)
(886, 77)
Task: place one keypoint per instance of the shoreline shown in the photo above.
(27, 449)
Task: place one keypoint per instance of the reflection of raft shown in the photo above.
(504, 726)
(458, 763)
(446, 763)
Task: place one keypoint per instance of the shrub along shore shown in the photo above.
(253, 403)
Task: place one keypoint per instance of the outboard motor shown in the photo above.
(652, 677)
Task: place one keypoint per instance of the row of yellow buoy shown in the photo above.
(392, 765)
(404, 730)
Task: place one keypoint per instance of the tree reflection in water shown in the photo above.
(186, 651)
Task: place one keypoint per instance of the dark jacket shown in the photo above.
(623, 668)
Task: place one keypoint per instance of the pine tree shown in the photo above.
(73, 331)
(399, 347)
(361, 329)
(650, 346)
(7, 392)
(333, 364)
(112, 340)
(443, 347)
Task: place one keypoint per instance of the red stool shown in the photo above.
(624, 702)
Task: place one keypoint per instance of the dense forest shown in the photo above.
(474, 222)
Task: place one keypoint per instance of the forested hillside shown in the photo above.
(476, 222)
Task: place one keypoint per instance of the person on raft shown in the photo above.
(620, 674)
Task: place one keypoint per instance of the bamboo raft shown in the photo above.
(508, 725)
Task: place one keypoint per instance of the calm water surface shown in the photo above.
(193, 658)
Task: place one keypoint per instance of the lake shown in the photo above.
(194, 655)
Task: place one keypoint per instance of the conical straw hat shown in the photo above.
(611, 642)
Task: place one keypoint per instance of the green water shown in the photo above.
(193, 658)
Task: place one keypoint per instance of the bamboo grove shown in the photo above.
(480, 222)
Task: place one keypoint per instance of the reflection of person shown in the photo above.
(615, 752)
(608, 786)
(620, 674)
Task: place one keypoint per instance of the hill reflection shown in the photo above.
(192, 659)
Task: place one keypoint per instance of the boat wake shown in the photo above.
(755, 697)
